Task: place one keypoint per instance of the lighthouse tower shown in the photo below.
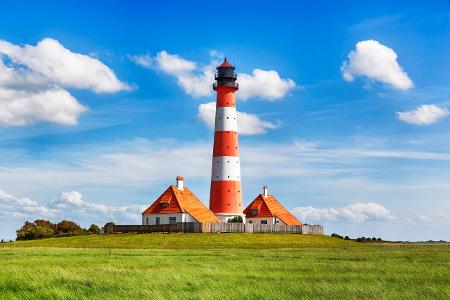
(226, 194)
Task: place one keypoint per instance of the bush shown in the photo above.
(40, 229)
(237, 219)
(337, 236)
(347, 238)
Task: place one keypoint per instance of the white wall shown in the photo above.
(164, 218)
(270, 220)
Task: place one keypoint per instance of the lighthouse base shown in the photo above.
(224, 217)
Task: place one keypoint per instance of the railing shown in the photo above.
(231, 84)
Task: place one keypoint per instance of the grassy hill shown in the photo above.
(189, 241)
(212, 266)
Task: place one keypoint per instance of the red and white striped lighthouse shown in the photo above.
(226, 194)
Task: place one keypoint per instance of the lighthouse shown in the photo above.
(226, 193)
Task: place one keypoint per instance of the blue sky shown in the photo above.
(346, 119)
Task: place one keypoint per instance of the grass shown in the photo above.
(213, 266)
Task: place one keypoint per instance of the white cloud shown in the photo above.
(72, 205)
(248, 124)
(33, 82)
(376, 61)
(197, 80)
(425, 114)
(61, 66)
(264, 84)
(68, 205)
(435, 216)
(14, 207)
(19, 107)
(144, 60)
(354, 213)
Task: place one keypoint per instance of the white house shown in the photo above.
(177, 204)
(265, 209)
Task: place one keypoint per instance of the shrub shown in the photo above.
(237, 219)
(337, 236)
(346, 238)
(40, 229)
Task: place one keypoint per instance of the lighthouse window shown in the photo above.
(228, 118)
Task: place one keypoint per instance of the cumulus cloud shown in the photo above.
(61, 66)
(376, 61)
(248, 124)
(34, 79)
(68, 205)
(425, 114)
(196, 79)
(14, 207)
(264, 84)
(72, 205)
(354, 213)
(56, 105)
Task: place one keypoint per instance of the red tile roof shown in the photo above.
(181, 201)
(270, 207)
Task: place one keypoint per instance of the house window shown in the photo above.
(254, 211)
(146, 221)
(172, 220)
(158, 221)
(250, 222)
(263, 221)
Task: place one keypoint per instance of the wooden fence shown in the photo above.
(194, 227)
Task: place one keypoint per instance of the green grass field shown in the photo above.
(221, 266)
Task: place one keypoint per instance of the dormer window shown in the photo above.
(165, 201)
(254, 211)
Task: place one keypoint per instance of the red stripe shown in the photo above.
(225, 97)
(225, 143)
(226, 197)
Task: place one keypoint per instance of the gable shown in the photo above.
(165, 204)
(270, 207)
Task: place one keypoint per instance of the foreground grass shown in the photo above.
(221, 266)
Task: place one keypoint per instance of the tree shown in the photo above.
(94, 229)
(237, 219)
(31, 231)
(66, 227)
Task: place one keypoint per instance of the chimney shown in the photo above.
(266, 191)
(180, 182)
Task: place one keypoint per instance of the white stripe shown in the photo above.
(226, 119)
(226, 168)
